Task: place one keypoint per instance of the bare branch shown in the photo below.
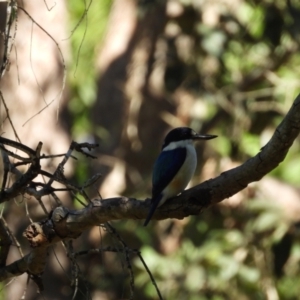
(24, 183)
(64, 223)
(9, 37)
(25, 179)
(33, 263)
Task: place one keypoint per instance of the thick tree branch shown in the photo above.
(67, 224)
(64, 223)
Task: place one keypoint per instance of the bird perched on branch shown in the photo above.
(174, 166)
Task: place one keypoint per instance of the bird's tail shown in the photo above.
(154, 204)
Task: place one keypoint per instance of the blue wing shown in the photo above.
(165, 168)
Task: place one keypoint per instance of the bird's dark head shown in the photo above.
(183, 134)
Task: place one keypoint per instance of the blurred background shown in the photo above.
(122, 73)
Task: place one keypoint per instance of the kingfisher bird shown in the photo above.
(174, 166)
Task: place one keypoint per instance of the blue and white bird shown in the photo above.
(174, 166)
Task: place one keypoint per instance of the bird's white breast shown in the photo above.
(185, 173)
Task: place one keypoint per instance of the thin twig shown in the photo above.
(150, 275)
(126, 252)
(8, 117)
(59, 96)
(12, 236)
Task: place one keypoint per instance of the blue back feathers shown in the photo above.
(165, 168)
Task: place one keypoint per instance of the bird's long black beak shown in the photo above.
(203, 136)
